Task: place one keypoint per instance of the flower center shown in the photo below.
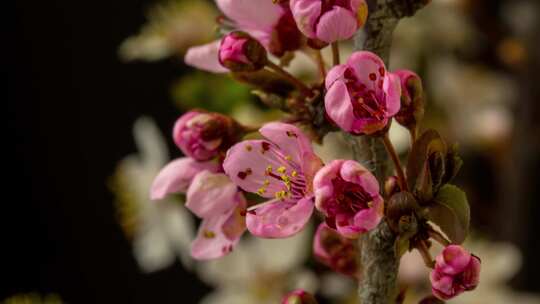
(350, 197)
(366, 103)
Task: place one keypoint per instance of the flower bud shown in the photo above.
(202, 136)
(391, 186)
(240, 52)
(412, 99)
(329, 21)
(298, 296)
(336, 251)
(456, 271)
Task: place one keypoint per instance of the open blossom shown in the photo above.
(271, 24)
(348, 195)
(361, 95)
(298, 296)
(280, 167)
(335, 251)
(217, 201)
(329, 20)
(456, 271)
(202, 136)
(239, 52)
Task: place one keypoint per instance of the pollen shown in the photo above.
(248, 148)
(209, 234)
(294, 173)
(288, 157)
(282, 169)
(281, 195)
(268, 169)
(370, 204)
(291, 134)
(261, 190)
(266, 183)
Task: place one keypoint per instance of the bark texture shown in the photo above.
(379, 261)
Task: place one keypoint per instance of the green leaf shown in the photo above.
(420, 170)
(450, 211)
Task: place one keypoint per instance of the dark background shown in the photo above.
(71, 118)
(69, 122)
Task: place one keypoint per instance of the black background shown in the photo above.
(71, 117)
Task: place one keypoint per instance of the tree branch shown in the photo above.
(379, 261)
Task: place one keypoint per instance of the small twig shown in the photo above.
(397, 164)
(424, 252)
(321, 64)
(295, 81)
(335, 53)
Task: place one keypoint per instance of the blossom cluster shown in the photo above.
(360, 97)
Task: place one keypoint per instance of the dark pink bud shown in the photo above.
(336, 251)
(298, 296)
(412, 99)
(202, 136)
(456, 271)
(240, 52)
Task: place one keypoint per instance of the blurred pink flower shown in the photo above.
(362, 95)
(348, 195)
(298, 296)
(271, 24)
(335, 251)
(217, 201)
(280, 167)
(329, 21)
(456, 271)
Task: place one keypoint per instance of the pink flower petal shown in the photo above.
(306, 13)
(392, 89)
(336, 73)
(336, 24)
(212, 241)
(442, 285)
(322, 183)
(289, 139)
(177, 175)
(369, 69)
(471, 276)
(354, 172)
(211, 194)
(368, 219)
(280, 219)
(247, 162)
(337, 103)
(251, 14)
(453, 260)
(205, 57)
(346, 227)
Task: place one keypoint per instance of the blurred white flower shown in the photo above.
(160, 230)
(172, 27)
(260, 271)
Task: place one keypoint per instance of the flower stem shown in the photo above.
(397, 164)
(321, 63)
(426, 256)
(335, 53)
(295, 81)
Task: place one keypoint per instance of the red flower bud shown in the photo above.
(240, 52)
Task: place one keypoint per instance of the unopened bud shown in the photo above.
(412, 99)
(239, 52)
(298, 296)
(203, 135)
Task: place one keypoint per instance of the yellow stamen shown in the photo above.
(209, 234)
(248, 148)
(282, 169)
(288, 157)
(294, 173)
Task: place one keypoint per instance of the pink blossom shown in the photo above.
(201, 135)
(217, 201)
(232, 49)
(177, 175)
(280, 167)
(456, 271)
(271, 24)
(298, 296)
(329, 21)
(335, 251)
(348, 195)
(361, 95)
